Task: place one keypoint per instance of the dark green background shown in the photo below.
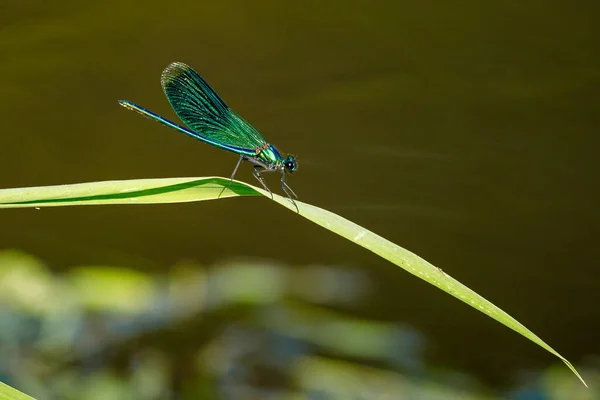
(465, 131)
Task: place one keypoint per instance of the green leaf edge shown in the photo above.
(175, 190)
(9, 393)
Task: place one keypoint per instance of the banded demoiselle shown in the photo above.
(210, 120)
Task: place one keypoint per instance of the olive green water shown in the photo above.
(466, 132)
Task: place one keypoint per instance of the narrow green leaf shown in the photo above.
(8, 393)
(173, 190)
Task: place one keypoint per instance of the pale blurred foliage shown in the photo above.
(239, 330)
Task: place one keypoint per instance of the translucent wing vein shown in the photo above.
(204, 112)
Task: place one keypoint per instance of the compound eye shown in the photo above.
(290, 166)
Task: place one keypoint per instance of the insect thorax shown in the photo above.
(269, 154)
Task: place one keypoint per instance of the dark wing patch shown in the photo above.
(203, 111)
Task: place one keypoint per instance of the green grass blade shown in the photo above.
(153, 191)
(8, 393)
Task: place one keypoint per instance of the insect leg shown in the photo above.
(232, 175)
(285, 186)
(287, 189)
(257, 170)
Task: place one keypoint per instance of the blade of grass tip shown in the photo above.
(170, 190)
(417, 266)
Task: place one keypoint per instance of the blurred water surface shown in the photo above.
(466, 132)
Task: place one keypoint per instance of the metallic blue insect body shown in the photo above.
(210, 120)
